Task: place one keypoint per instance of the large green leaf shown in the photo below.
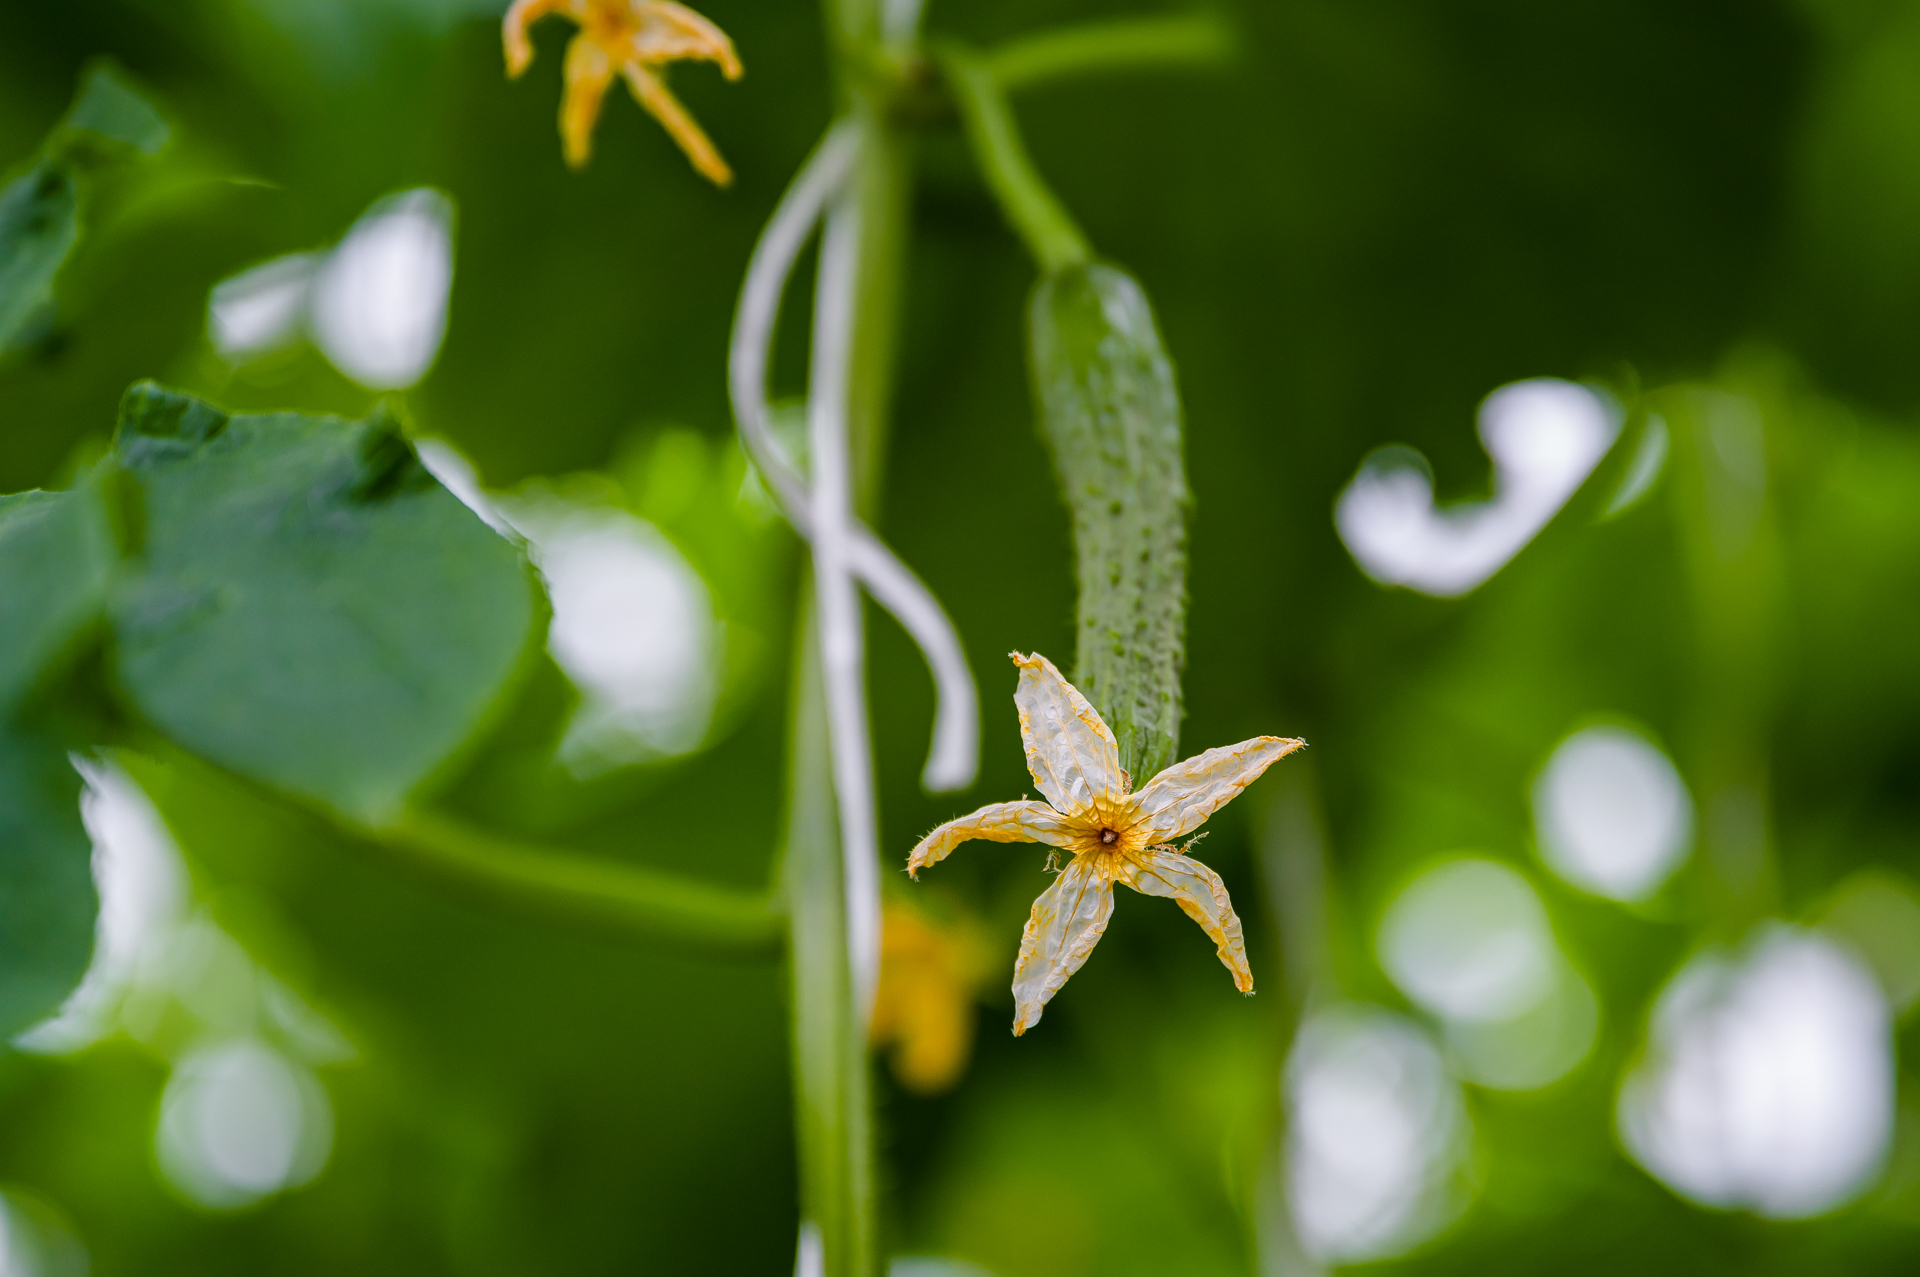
(47, 900)
(309, 606)
(55, 555)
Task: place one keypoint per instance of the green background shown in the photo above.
(1378, 214)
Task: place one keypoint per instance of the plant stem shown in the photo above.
(545, 882)
(832, 859)
(577, 889)
(1720, 488)
(1291, 855)
(836, 952)
(879, 189)
(1124, 44)
(832, 1098)
(1050, 234)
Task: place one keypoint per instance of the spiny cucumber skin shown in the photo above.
(1110, 412)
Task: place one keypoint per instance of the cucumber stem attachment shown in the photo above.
(1036, 214)
(1122, 44)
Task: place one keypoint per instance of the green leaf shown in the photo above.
(55, 557)
(1111, 414)
(47, 899)
(310, 608)
(109, 108)
(40, 211)
(39, 225)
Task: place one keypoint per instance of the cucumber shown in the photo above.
(1110, 413)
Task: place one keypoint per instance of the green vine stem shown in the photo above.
(529, 879)
(578, 889)
(1049, 233)
(833, 852)
(1722, 495)
(831, 858)
(1123, 44)
(832, 1089)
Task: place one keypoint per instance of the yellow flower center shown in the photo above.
(1108, 837)
(610, 26)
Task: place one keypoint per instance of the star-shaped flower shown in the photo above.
(1115, 835)
(629, 38)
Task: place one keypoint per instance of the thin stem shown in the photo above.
(1124, 44)
(831, 1086)
(1721, 494)
(577, 889)
(879, 184)
(1024, 197)
(527, 878)
(828, 884)
(857, 30)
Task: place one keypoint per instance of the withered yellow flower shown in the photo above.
(628, 38)
(1115, 835)
(930, 970)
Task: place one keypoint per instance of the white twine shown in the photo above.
(810, 1252)
(953, 757)
(844, 550)
(842, 643)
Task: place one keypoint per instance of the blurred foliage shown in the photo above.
(213, 622)
(1379, 214)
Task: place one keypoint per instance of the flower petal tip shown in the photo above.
(630, 38)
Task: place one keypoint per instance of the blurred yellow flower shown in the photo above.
(929, 974)
(1115, 835)
(629, 38)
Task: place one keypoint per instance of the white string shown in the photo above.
(953, 758)
(900, 20)
(810, 1254)
(780, 243)
(842, 644)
